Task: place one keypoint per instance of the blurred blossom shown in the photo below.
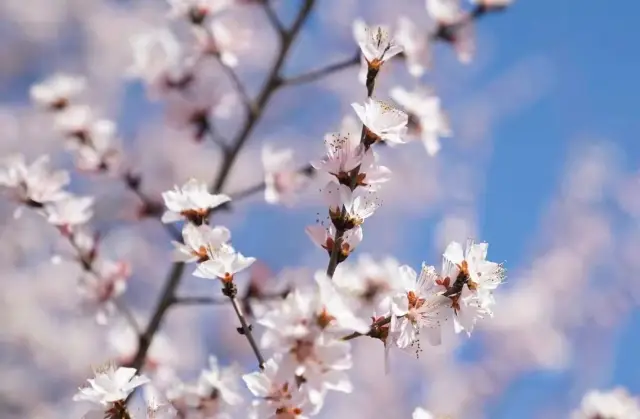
(32, 185)
(57, 91)
(282, 178)
(416, 46)
(101, 286)
(613, 404)
(276, 395)
(426, 117)
(444, 11)
(159, 60)
(196, 11)
(190, 202)
(70, 211)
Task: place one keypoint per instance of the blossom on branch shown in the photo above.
(199, 242)
(110, 388)
(191, 202)
(282, 179)
(612, 404)
(416, 46)
(32, 185)
(376, 43)
(426, 117)
(419, 309)
(57, 91)
(382, 122)
(277, 393)
(223, 263)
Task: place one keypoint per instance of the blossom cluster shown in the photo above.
(36, 186)
(304, 339)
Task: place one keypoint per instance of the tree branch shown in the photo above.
(375, 329)
(247, 332)
(270, 86)
(273, 18)
(322, 72)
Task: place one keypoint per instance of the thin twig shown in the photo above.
(237, 83)
(273, 18)
(307, 170)
(375, 328)
(322, 72)
(206, 300)
(128, 315)
(246, 331)
(271, 85)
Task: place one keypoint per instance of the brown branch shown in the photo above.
(237, 84)
(206, 300)
(167, 296)
(307, 170)
(322, 72)
(373, 331)
(273, 18)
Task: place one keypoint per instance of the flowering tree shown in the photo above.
(300, 328)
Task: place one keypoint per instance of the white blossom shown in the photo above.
(324, 238)
(74, 121)
(371, 282)
(359, 204)
(483, 274)
(70, 211)
(101, 286)
(199, 242)
(197, 10)
(427, 115)
(323, 363)
(57, 91)
(158, 407)
(344, 153)
(282, 179)
(159, 60)
(383, 121)
(34, 184)
(612, 404)
(277, 395)
(416, 45)
(110, 385)
(444, 11)
(192, 201)
(223, 263)
(420, 413)
(220, 384)
(419, 308)
(375, 42)
(100, 150)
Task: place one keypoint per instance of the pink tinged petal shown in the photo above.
(318, 235)
(352, 238)
(332, 196)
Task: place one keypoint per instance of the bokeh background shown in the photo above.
(543, 165)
